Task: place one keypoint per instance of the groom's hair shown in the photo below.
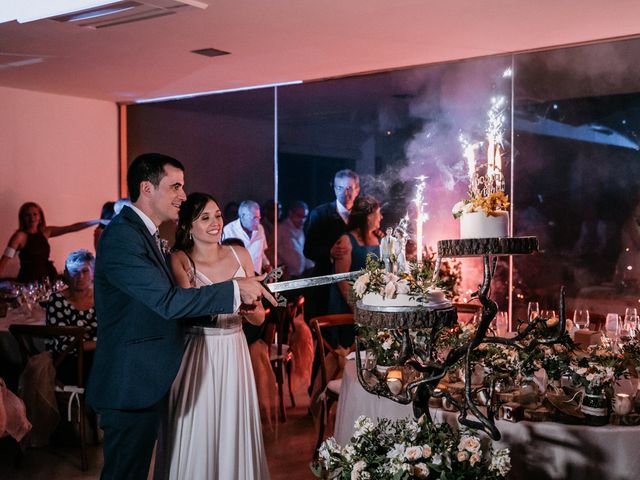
(148, 167)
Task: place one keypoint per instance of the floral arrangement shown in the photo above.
(381, 343)
(599, 369)
(410, 449)
(374, 279)
(494, 202)
(631, 353)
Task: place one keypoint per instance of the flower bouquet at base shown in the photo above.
(410, 449)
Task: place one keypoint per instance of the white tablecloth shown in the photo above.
(539, 450)
(9, 350)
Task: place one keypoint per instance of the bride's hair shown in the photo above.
(190, 209)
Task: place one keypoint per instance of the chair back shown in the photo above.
(324, 348)
(26, 336)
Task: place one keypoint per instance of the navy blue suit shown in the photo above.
(140, 342)
(324, 228)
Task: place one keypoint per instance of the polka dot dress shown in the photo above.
(60, 313)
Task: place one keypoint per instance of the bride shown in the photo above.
(213, 427)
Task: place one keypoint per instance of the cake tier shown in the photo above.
(435, 299)
(473, 247)
(481, 225)
(406, 317)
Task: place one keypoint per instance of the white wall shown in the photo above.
(61, 152)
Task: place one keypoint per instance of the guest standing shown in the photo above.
(362, 238)
(140, 342)
(291, 241)
(213, 423)
(326, 224)
(31, 243)
(248, 229)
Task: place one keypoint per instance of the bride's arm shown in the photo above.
(255, 316)
(180, 268)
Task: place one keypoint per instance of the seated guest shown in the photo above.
(291, 241)
(31, 242)
(248, 229)
(74, 307)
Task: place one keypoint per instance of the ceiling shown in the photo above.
(285, 40)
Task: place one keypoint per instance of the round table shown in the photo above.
(539, 450)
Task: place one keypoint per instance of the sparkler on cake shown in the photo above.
(485, 212)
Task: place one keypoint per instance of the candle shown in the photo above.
(394, 381)
(419, 202)
(622, 404)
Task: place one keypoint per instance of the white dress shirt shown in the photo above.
(291, 247)
(152, 227)
(342, 211)
(256, 244)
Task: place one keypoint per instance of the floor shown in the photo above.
(289, 451)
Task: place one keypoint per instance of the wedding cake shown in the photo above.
(481, 225)
(484, 214)
(435, 298)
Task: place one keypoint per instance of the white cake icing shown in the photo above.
(479, 225)
(434, 297)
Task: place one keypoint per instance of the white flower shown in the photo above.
(397, 452)
(468, 208)
(501, 462)
(357, 468)
(426, 451)
(389, 290)
(470, 444)
(413, 453)
(348, 452)
(363, 425)
(421, 470)
(402, 287)
(360, 285)
(365, 476)
(462, 456)
(437, 459)
(457, 208)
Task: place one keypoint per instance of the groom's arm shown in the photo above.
(130, 266)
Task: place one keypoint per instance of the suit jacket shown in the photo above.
(324, 228)
(140, 341)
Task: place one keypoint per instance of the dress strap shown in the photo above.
(192, 273)
(235, 255)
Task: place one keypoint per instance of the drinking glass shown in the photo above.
(612, 325)
(502, 324)
(630, 323)
(630, 311)
(547, 314)
(533, 310)
(581, 319)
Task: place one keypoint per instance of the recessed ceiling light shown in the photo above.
(210, 52)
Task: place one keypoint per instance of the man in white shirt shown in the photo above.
(291, 240)
(248, 229)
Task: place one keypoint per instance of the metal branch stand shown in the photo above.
(417, 330)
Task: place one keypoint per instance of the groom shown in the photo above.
(140, 343)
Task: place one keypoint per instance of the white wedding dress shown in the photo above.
(213, 427)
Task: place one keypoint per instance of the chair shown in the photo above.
(467, 311)
(26, 336)
(280, 356)
(329, 387)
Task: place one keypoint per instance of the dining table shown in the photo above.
(10, 356)
(539, 450)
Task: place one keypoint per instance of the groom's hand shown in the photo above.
(251, 290)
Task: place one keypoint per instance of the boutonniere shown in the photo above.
(164, 247)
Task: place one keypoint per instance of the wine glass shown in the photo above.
(581, 319)
(533, 310)
(502, 324)
(612, 325)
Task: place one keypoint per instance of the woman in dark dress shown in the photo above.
(31, 244)
(362, 238)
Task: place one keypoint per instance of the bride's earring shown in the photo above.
(190, 237)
